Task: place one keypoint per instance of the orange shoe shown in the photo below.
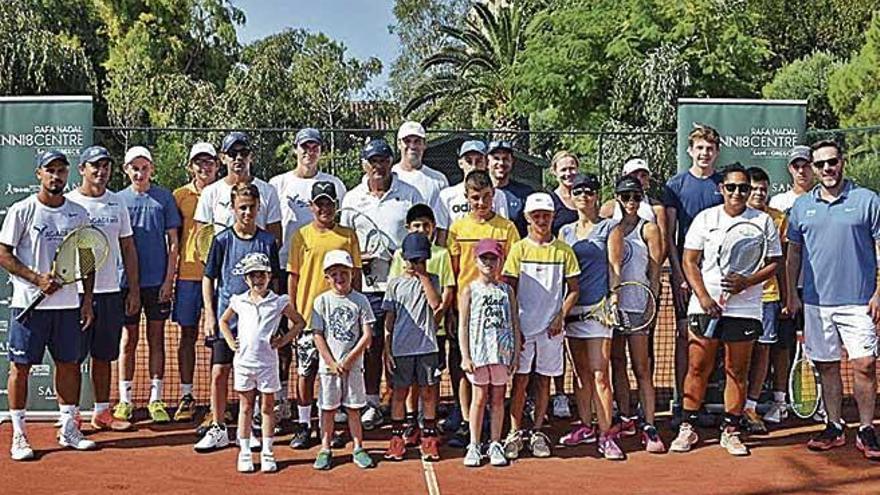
(396, 449)
(430, 449)
(105, 421)
(412, 435)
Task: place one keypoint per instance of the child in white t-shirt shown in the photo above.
(255, 365)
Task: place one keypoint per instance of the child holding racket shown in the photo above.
(714, 243)
(258, 311)
(489, 337)
(342, 322)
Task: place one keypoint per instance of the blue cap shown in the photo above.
(499, 145)
(468, 146)
(308, 134)
(376, 147)
(232, 138)
(416, 246)
(93, 154)
(49, 156)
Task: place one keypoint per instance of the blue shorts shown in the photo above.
(770, 322)
(101, 339)
(57, 329)
(150, 306)
(188, 304)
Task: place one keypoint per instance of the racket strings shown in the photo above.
(81, 254)
(742, 250)
(805, 396)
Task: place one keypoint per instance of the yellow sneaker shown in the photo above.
(186, 409)
(158, 412)
(123, 411)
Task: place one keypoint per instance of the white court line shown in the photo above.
(430, 478)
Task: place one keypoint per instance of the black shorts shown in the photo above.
(150, 306)
(729, 329)
(421, 369)
(378, 340)
(220, 352)
(101, 339)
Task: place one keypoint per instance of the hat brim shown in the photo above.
(338, 263)
(323, 195)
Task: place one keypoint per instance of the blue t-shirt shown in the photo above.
(152, 214)
(592, 257)
(837, 245)
(689, 195)
(516, 194)
(562, 215)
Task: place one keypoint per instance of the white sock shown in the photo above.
(267, 445)
(778, 396)
(186, 389)
(750, 404)
(305, 414)
(373, 400)
(244, 443)
(101, 407)
(67, 413)
(18, 422)
(155, 389)
(125, 391)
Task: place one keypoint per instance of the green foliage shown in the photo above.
(807, 79)
(854, 89)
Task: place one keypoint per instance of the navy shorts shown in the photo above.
(150, 306)
(770, 321)
(376, 299)
(187, 309)
(221, 353)
(57, 329)
(101, 339)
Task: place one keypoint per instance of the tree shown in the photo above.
(854, 88)
(807, 79)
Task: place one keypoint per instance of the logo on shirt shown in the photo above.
(342, 320)
(627, 251)
(295, 202)
(463, 208)
(810, 213)
(849, 209)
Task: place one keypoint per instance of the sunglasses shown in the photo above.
(742, 188)
(630, 196)
(831, 162)
(243, 152)
(581, 191)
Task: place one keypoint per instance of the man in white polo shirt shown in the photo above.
(410, 169)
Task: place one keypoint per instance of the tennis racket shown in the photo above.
(204, 237)
(374, 243)
(804, 386)
(742, 252)
(81, 253)
(630, 307)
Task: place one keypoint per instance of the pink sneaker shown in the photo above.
(609, 449)
(579, 434)
(652, 441)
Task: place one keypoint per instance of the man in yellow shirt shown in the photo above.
(305, 266)
(202, 166)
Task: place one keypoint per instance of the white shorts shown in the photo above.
(342, 390)
(826, 328)
(543, 355)
(264, 379)
(587, 329)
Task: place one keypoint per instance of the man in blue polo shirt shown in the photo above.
(833, 234)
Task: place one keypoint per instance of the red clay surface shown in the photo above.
(157, 460)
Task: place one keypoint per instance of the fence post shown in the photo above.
(601, 157)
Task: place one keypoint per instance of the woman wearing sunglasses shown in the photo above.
(739, 323)
(635, 252)
(589, 341)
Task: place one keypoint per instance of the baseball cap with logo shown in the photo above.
(376, 147)
(410, 128)
(634, 164)
(473, 145)
(539, 201)
(93, 154)
(499, 145)
(49, 156)
(232, 138)
(202, 149)
(137, 152)
(337, 257)
(800, 153)
(627, 184)
(252, 262)
(308, 134)
(323, 189)
(588, 180)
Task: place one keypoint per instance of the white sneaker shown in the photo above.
(777, 413)
(70, 436)
(473, 457)
(341, 416)
(20, 450)
(372, 417)
(686, 439)
(496, 454)
(245, 462)
(267, 462)
(216, 438)
(733, 444)
(561, 408)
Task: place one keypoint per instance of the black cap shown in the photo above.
(376, 147)
(323, 189)
(416, 246)
(49, 156)
(590, 181)
(628, 184)
(232, 138)
(499, 145)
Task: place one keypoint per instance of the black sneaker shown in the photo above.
(866, 442)
(461, 438)
(832, 436)
(338, 441)
(301, 438)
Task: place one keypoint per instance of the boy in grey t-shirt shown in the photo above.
(413, 307)
(342, 321)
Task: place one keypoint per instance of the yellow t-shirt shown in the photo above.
(307, 249)
(190, 268)
(466, 232)
(440, 264)
(771, 286)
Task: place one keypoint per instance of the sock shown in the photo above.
(68, 412)
(244, 443)
(778, 396)
(186, 388)
(125, 391)
(751, 404)
(429, 429)
(18, 423)
(305, 414)
(155, 389)
(730, 422)
(689, 416)
(101, 407)
(373, 400)
(410, 419)
(397, 427)
(267, 444)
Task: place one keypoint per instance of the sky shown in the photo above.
(362, 25)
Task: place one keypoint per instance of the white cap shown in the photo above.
(337, 257)
(410, 128)
(137, 152)
(539, 201)
(252, 262)
(635, 164)
(200, 148)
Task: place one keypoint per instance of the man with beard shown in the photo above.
(501, 161)
(410, 169)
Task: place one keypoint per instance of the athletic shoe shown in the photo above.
(626, 427)
(186, 409)
(461, 438)
(123, 411)
(282, 411)
(429, 449)
(70, 436)
(452, 421)
(412, 435)
(338, 440)
(215, 438)
(578, 435)
(158, 412)
(267, 462)
(866, 441)
(20, 450)
(301, 438)
(820, 416)
(730, 440)
(206, 424)
(513, 444)
(77, 418)
(372, 418)
(473, 457)
(104, 420)
(832, 436)
(561, 407)
(652, 441)
(361, 458)
(396, 448)
(609, 449)
(529, 409)
(245, 462)
(496, 455)
(340, 416)
(539, 444)
(685, 440)
(753, 422)
(777, 413)
(323, 460)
